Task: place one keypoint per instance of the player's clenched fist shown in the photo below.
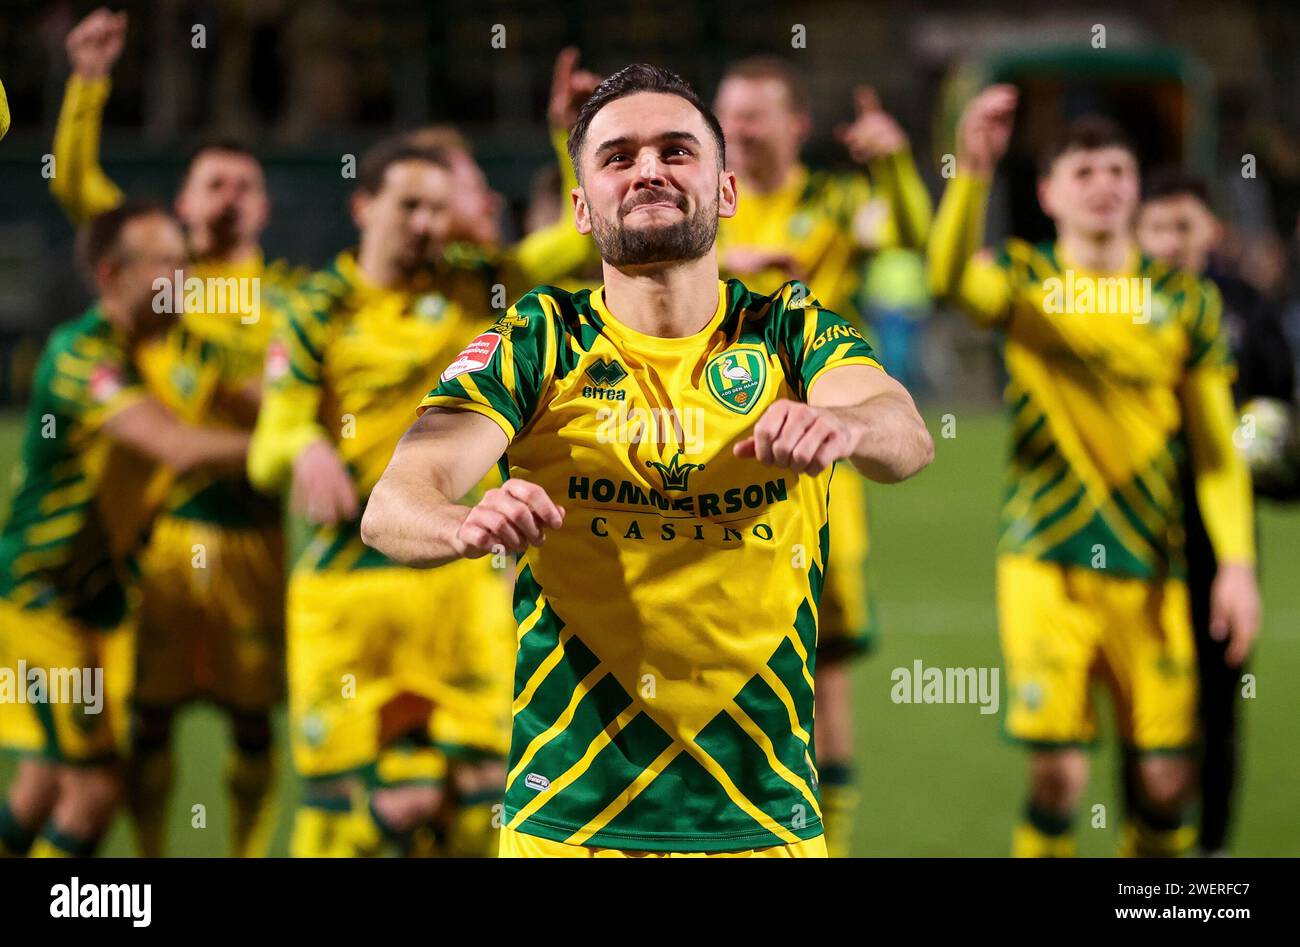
(874, 133)
(509, 518)
(95, 43)
(801, 437)
(985, 129)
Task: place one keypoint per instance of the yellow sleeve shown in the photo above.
(1223, 487)
(4, 111)
(568, 177)
(291, 396)
(79, 183)
(555, 252)
(895, 179)
(958, 272)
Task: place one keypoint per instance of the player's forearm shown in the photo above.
(410, 520)
(220, 450)
(891, 442)
(957, 233)
(1223, 489)
(4, 111)
(285, 428)
(79, 183)
(895, 178)
(148, 428)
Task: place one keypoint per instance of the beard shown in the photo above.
(685, 240)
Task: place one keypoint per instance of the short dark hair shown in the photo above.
(771, 67)
(640, 77)
(375, 163)
(227, 145)
(1087, 133)
(1173, 181)
(101, 237)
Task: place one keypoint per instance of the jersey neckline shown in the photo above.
(645, 341)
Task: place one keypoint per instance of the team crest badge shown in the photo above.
(431, 307)
(737, 377)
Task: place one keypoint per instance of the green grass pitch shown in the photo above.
(935, 779)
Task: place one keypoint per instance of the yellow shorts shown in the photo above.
(1064, 626)
(375, 653)
(846, 624)
(516, 844)
(211, 620)
(81, 718)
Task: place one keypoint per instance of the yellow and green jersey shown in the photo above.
(220, 315)
(663, 693)
(82, 505)
(822, 219)
(351, 359)
(1098, 365)
(250, 299)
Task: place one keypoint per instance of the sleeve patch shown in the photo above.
(106, 380)
(277, 360)
(476, 356)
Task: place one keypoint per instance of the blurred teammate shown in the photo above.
(664, 698)
(1111, 357)
(388, 667)
(212, 615)
(88, 483)
(549, 253)
(1176, 225)
(816, 226)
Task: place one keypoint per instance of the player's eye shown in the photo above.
(617, 156)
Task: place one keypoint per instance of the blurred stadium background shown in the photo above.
(1202, 84)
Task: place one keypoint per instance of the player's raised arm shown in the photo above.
(975, 283)
(413, 517)
(557, 251)
(4, 111)
(79, 182)
(1222, 479)
(876, 140)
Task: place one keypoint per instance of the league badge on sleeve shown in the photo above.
(105, 382)
(476, 356)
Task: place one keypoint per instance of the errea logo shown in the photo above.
(606, 376)
(536, 782)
